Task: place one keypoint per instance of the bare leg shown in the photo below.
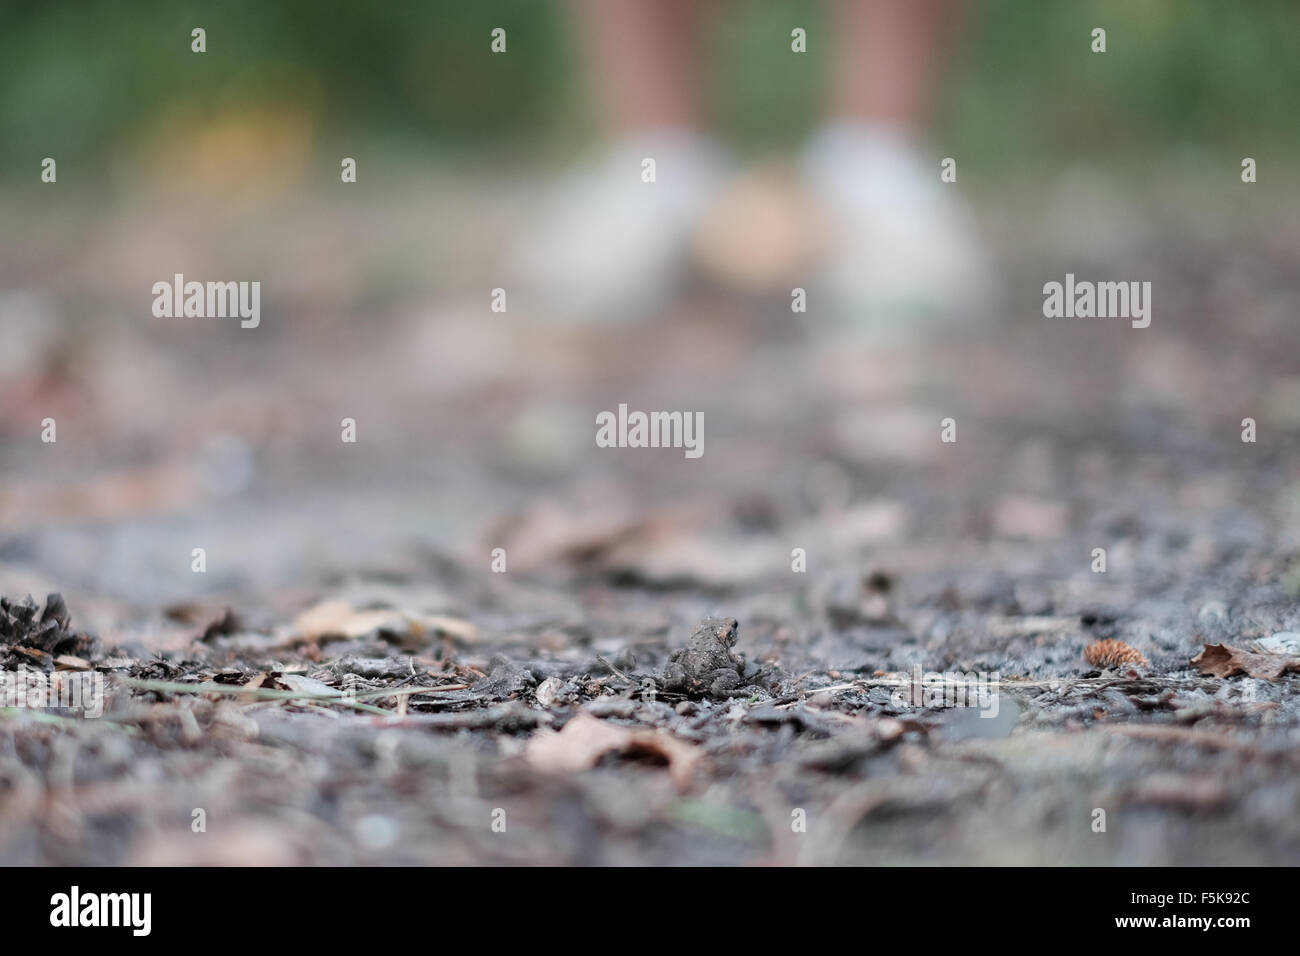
(904, 251)
(887, 58)
(639, 54)
(610, 244)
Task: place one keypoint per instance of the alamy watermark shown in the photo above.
(79, 691)
(1102, 300)
(949, 689)
(208, 300)
(75, 908)
(651, 430)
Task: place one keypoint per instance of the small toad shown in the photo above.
(707, 666)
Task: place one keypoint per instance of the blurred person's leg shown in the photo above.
(888, 55)
(640, 57)
(608, 244)
(903, 247)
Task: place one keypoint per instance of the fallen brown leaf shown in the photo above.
(338, 619)
(585, 739)
(1223, 660)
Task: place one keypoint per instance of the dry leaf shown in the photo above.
(550, 531)
(1111, 653)
(32, 653)
(585, 739)
(456, 628)
(338, 619)
(1223, 660)
(668, 553)
(306, 685)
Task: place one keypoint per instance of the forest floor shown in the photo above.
(349, 680)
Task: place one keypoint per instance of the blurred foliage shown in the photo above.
(81, 80)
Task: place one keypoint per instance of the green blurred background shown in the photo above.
(86, 81)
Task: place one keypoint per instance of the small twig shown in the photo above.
(615, 670)
(381, 693)
(259, 693)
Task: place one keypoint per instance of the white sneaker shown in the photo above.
(608, 245)
(903, 252)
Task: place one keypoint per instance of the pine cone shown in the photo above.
(1111, 653)
(49, 633)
